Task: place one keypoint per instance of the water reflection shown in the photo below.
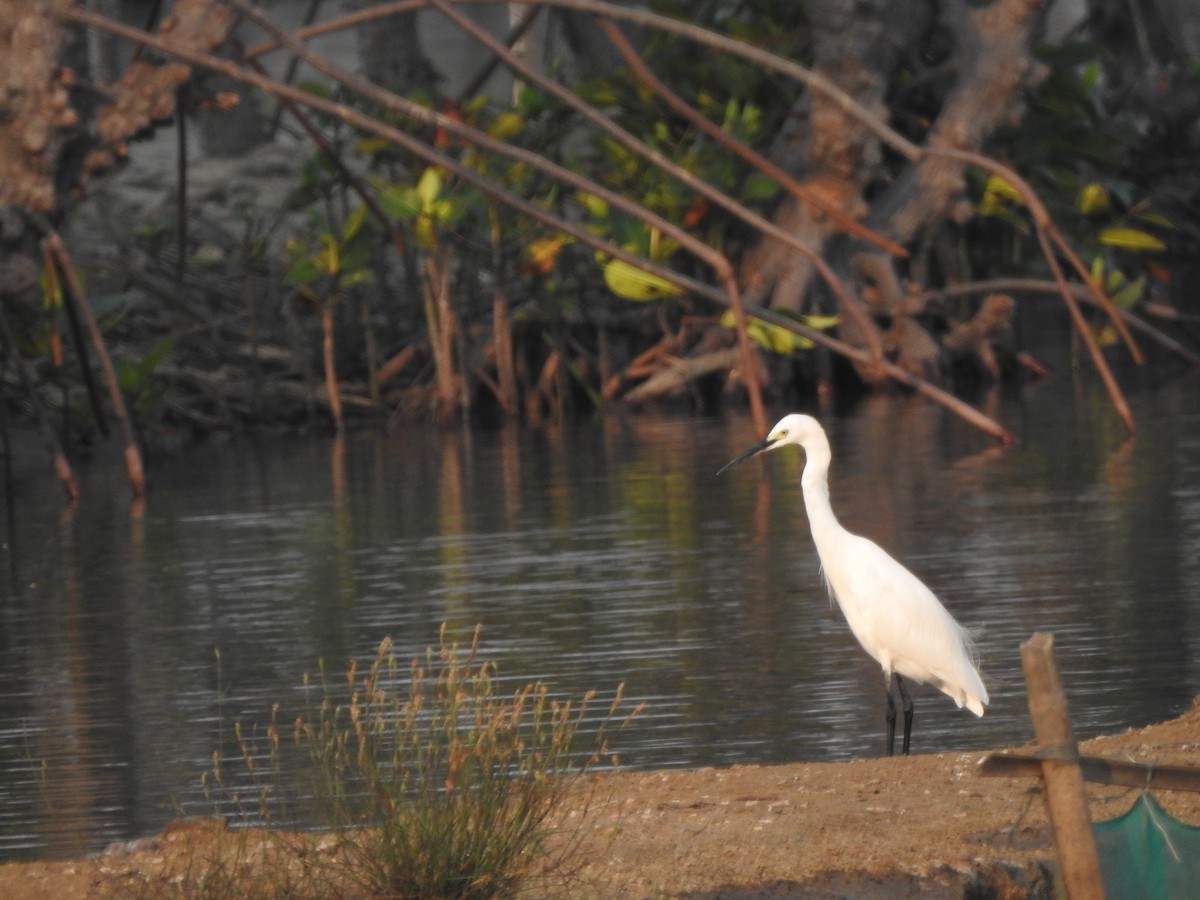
(592, 555)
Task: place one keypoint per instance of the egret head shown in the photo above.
(793, 429)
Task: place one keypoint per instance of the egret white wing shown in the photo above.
(901, 623)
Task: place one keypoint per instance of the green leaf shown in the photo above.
(1106, 336)
(1131, 239)
(751, 120)
(506, 125)
(371, 146)
(1129, 294)
(127, 377)
(357, 276)
(1000, 187)
(353, 223)
(820, 323)
(776, 338)
(759, 187)
(533, 102)
(1154, 218)
(429, 187)
(399, 201)
(151, 360)
(52, 292)
(475, 104)
(425, 231)
(304, 271)
(329, 256)
(354, 256)
(632, 283)
(596, 207)
(1092, 198)
(317, 88)
(731, 115)
(597, 92)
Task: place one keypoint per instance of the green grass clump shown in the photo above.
(426, 782)
(445, 786)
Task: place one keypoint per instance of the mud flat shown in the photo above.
(922, 826)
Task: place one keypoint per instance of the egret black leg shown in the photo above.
(908, 713)
(891, 718)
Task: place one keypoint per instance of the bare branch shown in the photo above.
(849, 303)
(721, 266)
(1079, 291)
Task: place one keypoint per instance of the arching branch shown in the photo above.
(721, 266)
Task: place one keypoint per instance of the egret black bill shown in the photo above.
(764, 444)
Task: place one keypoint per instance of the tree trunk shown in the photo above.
(332, 389)
(502, 343)
(391, 52)
(994, 64)
(442, 323)
(859, 46)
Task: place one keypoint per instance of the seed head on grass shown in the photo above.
(433, 784)
(443, 786)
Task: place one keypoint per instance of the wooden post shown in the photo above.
(1066, 800)
(1097, 770)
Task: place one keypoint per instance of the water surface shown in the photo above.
(594, 554)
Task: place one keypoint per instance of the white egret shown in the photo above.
(895, 617)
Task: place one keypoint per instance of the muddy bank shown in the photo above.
(925, 826)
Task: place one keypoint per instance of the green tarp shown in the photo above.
(1148, 854)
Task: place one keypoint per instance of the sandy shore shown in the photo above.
(922, 826)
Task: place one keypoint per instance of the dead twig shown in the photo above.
(893, 371)
(75, 295)
(723, 269)
(849, 303)
(679, 372)
(1080, 292)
